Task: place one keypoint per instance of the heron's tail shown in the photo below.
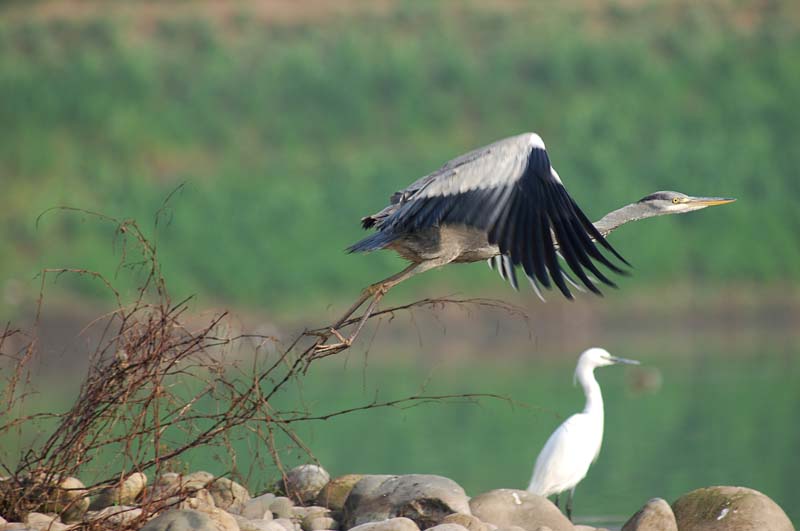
(373, 242)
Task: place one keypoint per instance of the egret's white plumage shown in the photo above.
(575, 445)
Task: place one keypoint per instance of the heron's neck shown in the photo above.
(617, 218)
(594, 398)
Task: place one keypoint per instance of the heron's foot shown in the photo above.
(378, 289)
(333, 348)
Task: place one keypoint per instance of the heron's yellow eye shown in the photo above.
(676, 200)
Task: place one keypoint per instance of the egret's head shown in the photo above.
(678, 203)
(599, 357)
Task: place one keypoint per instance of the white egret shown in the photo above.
(575, 445)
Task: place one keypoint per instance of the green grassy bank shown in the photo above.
(285, 133)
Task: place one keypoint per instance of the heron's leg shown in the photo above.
(376, 291)
(569, 503)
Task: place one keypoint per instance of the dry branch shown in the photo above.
(150, 377)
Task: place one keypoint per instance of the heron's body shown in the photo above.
(505, 202)
(457, 243)
(575, 444)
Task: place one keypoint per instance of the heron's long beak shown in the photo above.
(710, 201)
(623, 360)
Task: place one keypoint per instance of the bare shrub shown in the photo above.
(145, 399)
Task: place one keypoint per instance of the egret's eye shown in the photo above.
(676, 200)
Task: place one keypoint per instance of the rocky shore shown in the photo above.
(309, 500)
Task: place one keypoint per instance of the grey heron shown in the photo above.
(504, 203)
(575, 444)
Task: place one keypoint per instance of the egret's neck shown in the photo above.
(594, 398)
(617, 218)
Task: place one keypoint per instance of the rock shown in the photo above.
(43, 522)
(729, 509)
(166, 484)
(3, 521)
(223, 520)
(17, 526)
(246, 524)
(656, 515)
(258, 525)
(181, 520)
(508, 507)
(196, 480)
(304, 482)
(318, 523)
(228, 494)
(258, 508)
(425, 499)
(118, 515)
(393, 524)
(287, 523)
(447, 527)
(282, 507)
(71, 500)
(335, 492)
(471, 522)
(125, 493)
(200, 500)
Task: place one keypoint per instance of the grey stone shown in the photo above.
(124, 493)
(447, 527)
(304, 482)
(196, 480)
(425, 499)
(228, 494)
(393, 524)
(729, 509)
(656, 515)
(287, 523)
(117, 515)
(181, 520)
(71, 500)
(282, 507)
(258, 508)
(471, 522)
(319, 522)
(509, 507)
(223, 519)
(335, 492)
(200, 500)
(246, 524)
(41, 522)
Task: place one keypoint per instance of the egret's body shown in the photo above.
(574, 446)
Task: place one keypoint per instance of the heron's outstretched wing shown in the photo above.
(510, 190)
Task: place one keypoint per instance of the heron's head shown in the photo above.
(599, 357)
(678, 203)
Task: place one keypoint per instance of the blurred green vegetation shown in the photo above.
(285, 134)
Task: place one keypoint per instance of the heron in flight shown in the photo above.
(504, 203)
(575, 445)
